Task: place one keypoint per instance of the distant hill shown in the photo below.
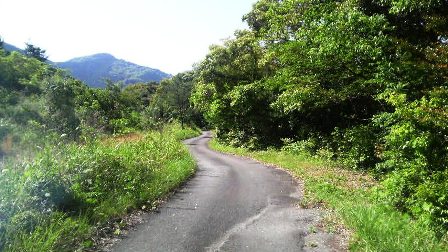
(97, 68)
(11, 48)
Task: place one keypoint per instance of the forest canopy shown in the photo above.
(365, 80)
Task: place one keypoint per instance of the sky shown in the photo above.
(170, 35)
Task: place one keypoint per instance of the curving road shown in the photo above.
(232, 204)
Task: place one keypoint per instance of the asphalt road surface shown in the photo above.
(231, 204)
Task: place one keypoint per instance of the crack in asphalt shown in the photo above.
(182, 208)
(235, 229)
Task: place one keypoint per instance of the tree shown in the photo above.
(35, 52)
(223, 79)
(139, 95)
(60, 104)
(365, 78)
(172, 100)
(276, 21)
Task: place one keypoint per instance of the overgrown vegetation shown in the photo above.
(73, 157)
(359, 82)
(54, 202)
(364, 81)
(352, 197)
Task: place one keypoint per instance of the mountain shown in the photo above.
(97, 68)
(11, 48)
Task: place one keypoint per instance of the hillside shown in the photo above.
(11, 48)
(97, 68)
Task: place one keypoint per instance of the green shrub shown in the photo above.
(299, 147)
(415, 157)
(355, 147)
(57, 232)
(52, 202)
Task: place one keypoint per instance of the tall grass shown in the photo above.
(54, 202)
(353, 198)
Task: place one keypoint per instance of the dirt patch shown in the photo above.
(131, 137)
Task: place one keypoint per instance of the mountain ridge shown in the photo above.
(95, 69)
(11, 48)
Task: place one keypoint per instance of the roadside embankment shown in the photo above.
(57, 201)
(351, 201)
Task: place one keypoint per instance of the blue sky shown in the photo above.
(169, 35)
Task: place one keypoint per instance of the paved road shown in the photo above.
(232, 204)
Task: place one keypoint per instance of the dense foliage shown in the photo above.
(39, 100)
(71, 157)
(56, 201)
(172, 102)
(363, 81)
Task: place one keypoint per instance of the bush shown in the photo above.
(299, 147)
(415, 156)
(51, 202)
(356, 146)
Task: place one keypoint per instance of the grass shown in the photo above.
(351, 198)
(57, 201)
